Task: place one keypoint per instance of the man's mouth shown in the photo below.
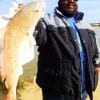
(71, 6)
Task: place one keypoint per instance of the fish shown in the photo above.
(18, 48)
(4, 19)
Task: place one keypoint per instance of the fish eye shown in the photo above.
(37, 11)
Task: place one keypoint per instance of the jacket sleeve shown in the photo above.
(40, 33)
(95, 46)
(96, 57)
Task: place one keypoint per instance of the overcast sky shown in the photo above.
(91, 8)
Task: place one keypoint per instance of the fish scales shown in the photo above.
(18, 43)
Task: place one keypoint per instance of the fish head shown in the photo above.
(33, 12)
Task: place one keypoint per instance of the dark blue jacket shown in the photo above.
(59, 65)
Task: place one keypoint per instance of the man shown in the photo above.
(68, 55)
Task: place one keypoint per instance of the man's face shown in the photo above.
(68, 6)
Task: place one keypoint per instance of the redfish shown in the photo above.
(19, 43)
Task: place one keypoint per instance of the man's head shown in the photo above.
(68, 7)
